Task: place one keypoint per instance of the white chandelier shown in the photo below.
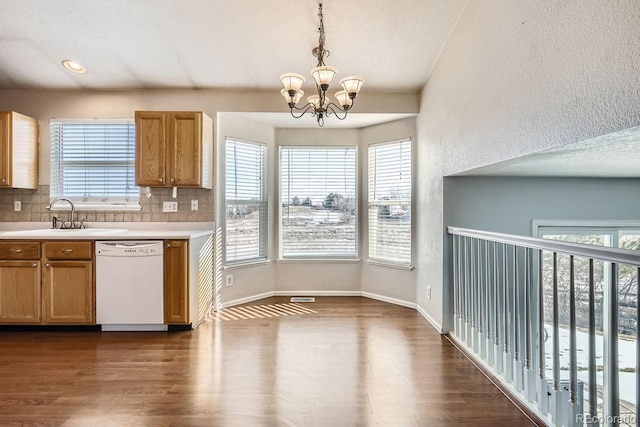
(319, 105)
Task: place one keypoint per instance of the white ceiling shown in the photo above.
(614, 155)
(218, 44)
(247, 44)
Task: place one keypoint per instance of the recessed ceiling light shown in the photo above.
(74, 67)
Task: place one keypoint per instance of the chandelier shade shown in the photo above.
(323, 75)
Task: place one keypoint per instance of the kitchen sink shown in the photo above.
(45, 232)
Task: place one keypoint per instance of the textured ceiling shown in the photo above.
(218, 44)
(614, 155)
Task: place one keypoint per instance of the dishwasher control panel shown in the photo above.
(129, 249)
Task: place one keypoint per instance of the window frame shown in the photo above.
(263, 239)
(57, 165)
(347, 258)
(371, 201)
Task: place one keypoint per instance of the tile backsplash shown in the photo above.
(35, 202)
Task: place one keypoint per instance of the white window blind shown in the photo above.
(390, 202)
(92, 163)
(246, 201)
(318, 195)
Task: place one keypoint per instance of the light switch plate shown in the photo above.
(17, 205)
(169, 206)
(194, 205)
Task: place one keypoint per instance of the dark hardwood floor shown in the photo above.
(354, 362)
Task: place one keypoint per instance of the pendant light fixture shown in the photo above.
(318, 104)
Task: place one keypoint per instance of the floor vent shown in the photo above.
(303, 299)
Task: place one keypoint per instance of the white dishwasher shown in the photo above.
(130, 285)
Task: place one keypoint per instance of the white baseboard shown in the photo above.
(246, 299)
(431, 320)
(390, 300)
(318, 293)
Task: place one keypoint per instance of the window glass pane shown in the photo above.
(246, 201)
(390, 202)
(92, 162)
(318, 194)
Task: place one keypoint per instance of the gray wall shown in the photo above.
(507, 205)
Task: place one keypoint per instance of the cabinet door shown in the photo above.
(68, 292)
(176, 278)
(185, 149)
(5, 150)
(151, 146)
(19, 291)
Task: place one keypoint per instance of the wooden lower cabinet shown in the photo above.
(20, 291)
(47, 282)
(67, 292)
(176, 280)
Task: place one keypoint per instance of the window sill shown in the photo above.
(246, 264)
(408, 267)
(319, 260)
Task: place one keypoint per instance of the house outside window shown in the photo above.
(92, 163)
(389, 201)
(246, 202)
(318, 194)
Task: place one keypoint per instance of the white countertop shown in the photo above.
(107, 231)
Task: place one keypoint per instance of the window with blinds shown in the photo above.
(390, 202)
(92, 163)
(245, 201)
(319, 202)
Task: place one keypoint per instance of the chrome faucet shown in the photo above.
(72, 219)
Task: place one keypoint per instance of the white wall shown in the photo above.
(257, 279)
(382, 282)
(518, 77)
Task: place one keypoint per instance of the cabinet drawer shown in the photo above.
(68, 250)
(19, 250)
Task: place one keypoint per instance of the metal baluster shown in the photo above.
(593, 386)
(530, 378)
(498, 311)
(474, 304)
(611, 380)
(557, 403)
(516, 323)
(490, 308)
(481, 303)
(456, 291)
(543, 386)
(576, 407)
(508, 362)
(467, 290)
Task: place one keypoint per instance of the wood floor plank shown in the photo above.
(340, 361)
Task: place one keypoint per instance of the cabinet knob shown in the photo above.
(168, 245)
(47, 265)
(160, 180)
(34, 265)
(172, 180)
(4, 180)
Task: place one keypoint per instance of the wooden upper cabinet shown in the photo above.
(18, 151)
(174, 149)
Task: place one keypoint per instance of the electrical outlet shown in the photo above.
(169, 206)
(194, 205)
(229, 278)
(17, 205)
(429, 292)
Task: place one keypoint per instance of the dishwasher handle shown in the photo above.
(125, 245)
